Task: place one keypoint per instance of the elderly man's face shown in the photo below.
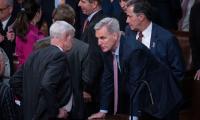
(106, 40)
(87, 7)
(5, 10)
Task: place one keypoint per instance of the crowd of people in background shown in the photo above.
(86, 59)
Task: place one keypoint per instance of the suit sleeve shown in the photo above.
(85, 67)
(107, 86)
(175, 58)
(16, 82)
(55, 78)
(95, 62)
(8, 105)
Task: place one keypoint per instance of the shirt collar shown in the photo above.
(91, 16)
(147, 31)
(60, 48)
(4, 23)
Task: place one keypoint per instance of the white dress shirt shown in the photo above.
(91, 15)
(4, 23)
(146, 39)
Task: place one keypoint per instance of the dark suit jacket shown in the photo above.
(78, 59)
(107, 84)
(195, 36)
(165, 48)
(43, 83)
(78, 65)
(7, 103)
(139, 64)
(8, 46)
(95, 57)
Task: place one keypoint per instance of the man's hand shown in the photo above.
(1, 38)
(62, 113)
(197, 75)
(87, 97)
(10, 34)
(98, 115)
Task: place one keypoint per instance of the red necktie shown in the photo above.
(115, 69)
(85, 25)
(140, 36)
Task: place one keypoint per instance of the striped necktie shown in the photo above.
(140, 36)
(85, 25)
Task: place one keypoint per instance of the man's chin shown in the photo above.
(104, 50)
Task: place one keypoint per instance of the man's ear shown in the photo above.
(115, 35)
(141, 17)
(10, 9)
(73, 21)
(95, 4)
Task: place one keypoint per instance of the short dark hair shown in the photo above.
(64, 12)
(98, 1)
(141, 6)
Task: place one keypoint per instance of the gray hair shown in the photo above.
(112, 24)
(59, 28)
(9, 2)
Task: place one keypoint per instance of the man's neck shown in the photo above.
(98, 8)
(145, 25)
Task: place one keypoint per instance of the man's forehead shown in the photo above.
(3, 3)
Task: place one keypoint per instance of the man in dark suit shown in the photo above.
(135, 65)
(49, 5)
(43, 82)
(92, 8)
(161, 42)
(163, 45)
(7, 34)
(78, 63)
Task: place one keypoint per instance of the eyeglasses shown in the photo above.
(2, 9)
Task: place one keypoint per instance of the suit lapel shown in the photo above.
(121, 47)
(9, 23)
(154, 39)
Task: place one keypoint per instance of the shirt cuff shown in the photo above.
(68, 107)
(133, 118)
(104, 111)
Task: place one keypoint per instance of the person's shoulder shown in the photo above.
(80, 43)
(161, 32)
